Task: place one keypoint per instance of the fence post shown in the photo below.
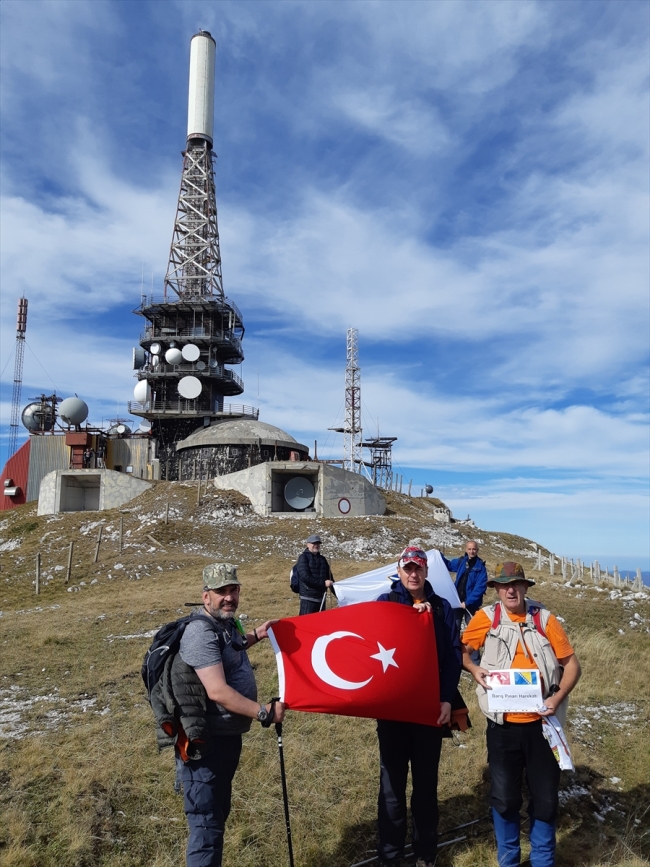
(551, 563)
(99, 542)
(121, 533)
(38, 573)
(638, 582)
(410, 483)
(167, 513)
(69, 569)
(617, 577)
(539, 559)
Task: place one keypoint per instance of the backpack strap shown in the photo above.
(393, 596)
(496, 620)
(536, 613)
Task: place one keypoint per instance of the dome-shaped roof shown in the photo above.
(239, 431)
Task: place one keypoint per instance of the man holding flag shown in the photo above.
(399, 664)
(404, 743)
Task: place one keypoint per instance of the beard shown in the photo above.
(219, 614)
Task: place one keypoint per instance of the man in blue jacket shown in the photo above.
(471, 582)
(403, 743)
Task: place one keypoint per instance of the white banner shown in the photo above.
(370, 585)
(514, 690)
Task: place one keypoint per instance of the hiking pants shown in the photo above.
(207, 786)
(401, 744)
(310, 606)
(512, 749)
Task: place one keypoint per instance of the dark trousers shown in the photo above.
(307, 606)
(207, 786)
(401, 744)
(512, 749)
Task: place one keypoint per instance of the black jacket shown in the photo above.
(313, 571)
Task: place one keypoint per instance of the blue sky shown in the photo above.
(465, 183)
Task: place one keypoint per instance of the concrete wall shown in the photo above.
(87, 490)
(339, 493)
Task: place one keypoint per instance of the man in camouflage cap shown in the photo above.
(216, 687)
(517, 633)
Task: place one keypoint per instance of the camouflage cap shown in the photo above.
(219, 575)
(507, 573)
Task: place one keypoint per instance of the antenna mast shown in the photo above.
(21, 328)
(352, 459)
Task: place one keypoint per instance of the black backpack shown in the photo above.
(294, 580)
(166, 643)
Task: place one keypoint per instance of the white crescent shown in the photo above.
(322, 669)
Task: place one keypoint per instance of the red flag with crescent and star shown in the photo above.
(374, 659)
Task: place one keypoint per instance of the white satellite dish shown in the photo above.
(121, 429)
(155, 348)
(299, 492)
(173, 356)
(189, 387)
(155, 361)
(191, 352)
(200, 365)
(73, 410)
(145, 426)
(142, 391)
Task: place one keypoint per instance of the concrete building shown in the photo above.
(322, 490)
(229, 446)
(87, 491)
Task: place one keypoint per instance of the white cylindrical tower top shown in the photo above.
(200, 108)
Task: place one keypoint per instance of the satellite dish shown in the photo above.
(214, 363)
(189, 387)
(145, 426)
(191, 352)
(138, 358)
(200, 365)
(155, 348)
(155, 361)
(121, 429)
(173, 356)
(38, 416)
(299, 492)
(142, 391)
(73, 410)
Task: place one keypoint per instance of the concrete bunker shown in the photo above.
(87, 491)
(80, 493)
(337, 493)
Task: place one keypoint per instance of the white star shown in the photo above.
(385, 656)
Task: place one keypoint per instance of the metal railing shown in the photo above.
(191, 408)
(223, 303)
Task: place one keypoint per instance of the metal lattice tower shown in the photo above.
(352, 457)
(381, 460)
(194, 268)
(21, 328)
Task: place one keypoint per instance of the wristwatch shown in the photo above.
(262, 714)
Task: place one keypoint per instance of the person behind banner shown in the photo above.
(314, 576)
(471, 581)
(404, 743)
(518, 633)
(214, 688)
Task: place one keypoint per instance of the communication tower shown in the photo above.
(194, 330)
(352, 456)
(21, 328)
(381, 460)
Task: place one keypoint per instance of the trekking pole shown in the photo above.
(285, 796)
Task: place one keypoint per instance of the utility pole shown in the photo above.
(21, 328)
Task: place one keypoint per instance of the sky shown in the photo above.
(466, 183)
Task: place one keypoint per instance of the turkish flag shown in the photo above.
(374, 659)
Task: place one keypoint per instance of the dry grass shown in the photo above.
(84, 784)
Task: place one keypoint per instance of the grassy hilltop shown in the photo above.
(81, 781)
